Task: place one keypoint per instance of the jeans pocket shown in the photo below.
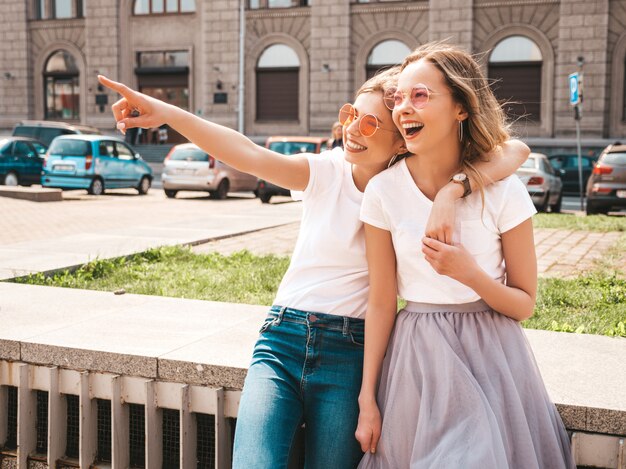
(357, 338)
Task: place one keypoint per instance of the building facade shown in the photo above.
(304, 58)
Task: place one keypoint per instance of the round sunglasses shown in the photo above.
(418, 96)
(368, 123)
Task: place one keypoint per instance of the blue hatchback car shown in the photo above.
(95, 163)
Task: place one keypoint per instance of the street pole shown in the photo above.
(578, 115)
(242, 38)
(580, 164)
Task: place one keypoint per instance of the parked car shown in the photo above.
(567, 166)
(541, 181)
(21, 161)
(95, 163)
(46, 131)
(288, 146)
(606, 188)
(188, 168)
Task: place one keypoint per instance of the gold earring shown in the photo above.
(460, 131)
(392, 160)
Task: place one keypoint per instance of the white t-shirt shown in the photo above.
(393, 202)
(328, 270)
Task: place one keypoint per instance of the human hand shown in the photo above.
(440, 224)
(453, 261)
(368, 430)
(135, 109)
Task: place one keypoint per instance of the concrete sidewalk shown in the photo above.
(560, 253)
(60, 235)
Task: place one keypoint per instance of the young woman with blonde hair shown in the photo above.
(454, 383)
(306, 365)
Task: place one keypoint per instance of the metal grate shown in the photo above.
(11, 441)
(42, 422)
(104, 430)
(171, 439)
(73, 426)
(137, 435)
(205, 447)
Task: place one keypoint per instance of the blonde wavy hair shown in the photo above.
(381, 82)
(486, 127)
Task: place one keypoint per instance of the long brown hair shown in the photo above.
(486, 127)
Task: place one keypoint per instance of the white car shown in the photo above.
(189, 168)
(542, 182)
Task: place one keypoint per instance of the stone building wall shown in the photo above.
(15, 100)
(102, 52)
(614, 109)
(332, 38)
(452, 20)
(583, 31)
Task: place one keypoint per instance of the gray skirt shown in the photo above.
(460, 388)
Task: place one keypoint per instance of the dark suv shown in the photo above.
(46, 131)
(606, 188)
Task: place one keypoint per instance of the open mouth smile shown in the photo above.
(354, 147)
(412, 129)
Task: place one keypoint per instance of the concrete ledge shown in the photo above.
(210, 343)
(34, 194)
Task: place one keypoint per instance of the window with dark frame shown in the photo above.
(58, 9)
(514, 71)
(277, 84)
(263, 4)
(163, 7)
(61, 87)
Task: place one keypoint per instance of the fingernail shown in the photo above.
(121, 126)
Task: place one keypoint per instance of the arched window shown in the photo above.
(277, 90)
(384, 55)
(62, 91)
(160, 7)
(515, 65)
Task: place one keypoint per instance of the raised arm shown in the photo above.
(379, 320)
(227, 145)
(499, 164)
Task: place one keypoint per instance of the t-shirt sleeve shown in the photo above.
(372, 211)
(323, 169)
(516, 206)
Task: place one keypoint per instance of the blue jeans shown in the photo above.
(306, 368)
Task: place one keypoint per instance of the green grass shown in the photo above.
(594, 303)
(601, 223)
(178, 272)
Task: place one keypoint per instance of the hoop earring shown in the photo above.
(392, 160)
(460, 131)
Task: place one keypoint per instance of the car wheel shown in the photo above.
(11, 179)
(591, 209)
(144, 185)
(222, 190)
(96, 187)
(265, 198)
(169, 193)
(543, 206)
(556, 208)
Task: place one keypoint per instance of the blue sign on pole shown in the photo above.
(574, 91)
